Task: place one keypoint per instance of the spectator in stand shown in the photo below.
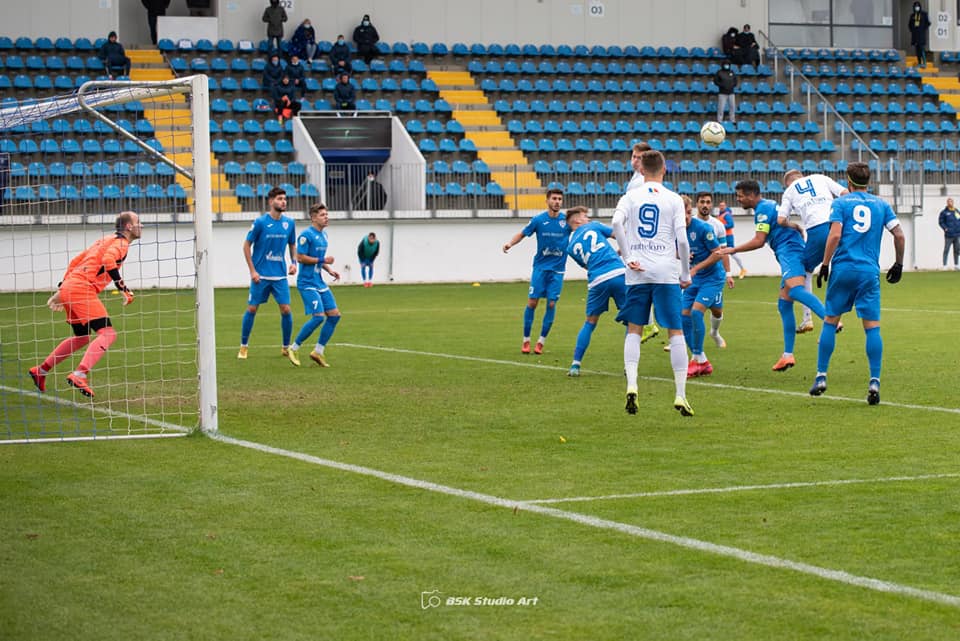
(272, 73)
(366, 38)
(297, 74)
(749, 49)
(114, 57)
(154, 8)
(340, 57)
(726, 82)
(344, 95)
(304, 41)
(274, 16)
(919, 23)
(729, 44)
(285, 103)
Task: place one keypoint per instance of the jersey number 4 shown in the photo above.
(649, 216)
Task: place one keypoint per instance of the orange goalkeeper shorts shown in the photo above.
(81, 302)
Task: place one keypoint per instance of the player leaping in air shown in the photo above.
(78, 294)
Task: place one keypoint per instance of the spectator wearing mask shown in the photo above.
(304, 41)
(274, 16)
(298, 75)
(726, 82)
(272, 73)
(344, 95)
(366, 38)
(340, 57)
(285, 103)
(749, 49)
(154, 8)
(729, 45)
(114, 57)
(919, 23)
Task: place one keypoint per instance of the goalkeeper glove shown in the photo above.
(894, 273)
(823, 275)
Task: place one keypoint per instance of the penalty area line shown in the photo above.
(659, 379)
(837, 576)
(746, 488)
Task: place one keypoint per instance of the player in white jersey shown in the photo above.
(810, 198)
(651, 231)
(650, 330)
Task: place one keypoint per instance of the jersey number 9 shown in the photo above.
(862, 220)
(649, 216)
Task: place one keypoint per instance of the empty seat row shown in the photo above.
(43, 82)
(689, 145)
(84, 126)
(910, 107)
(319, 65)
(656, 127)
(250, 126)
(101, 168)
(132, 106)
(858, 71)
(873, 55)
(245, 190)
(531, 85)
(446, 145)
(50, 63)
(272, 168)
(897, 127)
(434, 127)
(892, 145)
(435, 189)
(459, 167)
(514, 67)
(643, 107)
(43, 43)
(29, 193)
(72, 146)
(243, 146)
(874, 88)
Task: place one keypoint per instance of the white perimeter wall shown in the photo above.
(638, 22)
(411, 251)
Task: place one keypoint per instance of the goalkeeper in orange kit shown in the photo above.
(78, 294)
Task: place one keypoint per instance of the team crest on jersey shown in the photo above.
(709, 235)
(693, 235)
(563, 222)
(303, 240)
(284, 225)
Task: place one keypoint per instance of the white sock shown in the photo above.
(541, 340)
(294, 346)
(678, 361)
(715, 324)
(631, 359)
(319, 349)
(652, 321)
(701, 357)
(807, 285)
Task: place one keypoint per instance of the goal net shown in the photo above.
(69, 165)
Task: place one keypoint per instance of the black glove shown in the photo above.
(894, 273)
(823, 275)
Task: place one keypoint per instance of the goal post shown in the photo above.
(69, 165)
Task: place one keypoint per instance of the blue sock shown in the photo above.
(828, 340)
(527, 320)
(247, 326)
(286, 326)
(308, 328)
(696, 318)
(327, 330)
(583, 340)
(548, 319)
(686, 321)
(785, 307)
(874, 351)
(804, 297)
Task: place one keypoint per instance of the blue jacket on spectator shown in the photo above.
(950, 222)
(272, 73)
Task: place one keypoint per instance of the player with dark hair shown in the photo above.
(650, 227)
(549, 265)
(851, 263)
(269, 237)
(78, 294)
(787, 246)
(318, 300)
(590, 248)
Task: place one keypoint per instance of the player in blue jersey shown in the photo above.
(709, 273)
(787, 246)
(549, 263)
(725, 216)
(851, 263)
(270, 236)
(318, 300)
(590, 249)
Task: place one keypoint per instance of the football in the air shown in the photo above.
(712, 133)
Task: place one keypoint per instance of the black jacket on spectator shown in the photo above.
(749, 49)
(296, 72)
(113, 56)
(272, 74)
(340, 53)
(725, 80)
(344, 96)
(274, 16)
(281, 91)
(728, 43)
(366, 38)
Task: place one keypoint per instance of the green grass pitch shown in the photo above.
(192, 538)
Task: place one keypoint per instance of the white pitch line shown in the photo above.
(659, 379)
(706, 547)
(745, 488)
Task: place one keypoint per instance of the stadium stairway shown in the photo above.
(169, 117)
(948, 86)
(494, 144)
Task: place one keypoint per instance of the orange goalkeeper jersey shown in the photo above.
(93, 264)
